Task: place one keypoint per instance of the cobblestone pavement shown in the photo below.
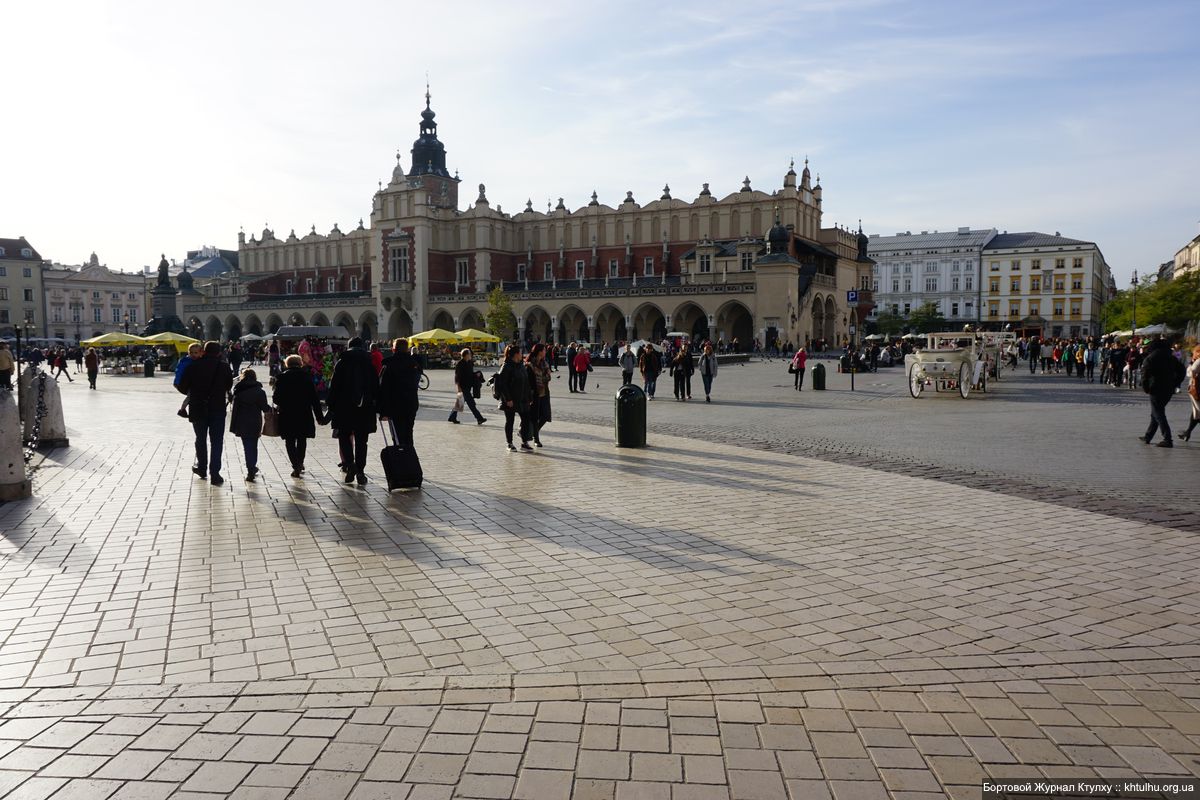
(692, 620)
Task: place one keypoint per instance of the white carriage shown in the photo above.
(955, 362)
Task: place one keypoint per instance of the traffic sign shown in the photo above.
(852, 296)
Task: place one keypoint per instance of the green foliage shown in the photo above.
(1175, 302)
(927, 318)
(499, 316)
(889, 324)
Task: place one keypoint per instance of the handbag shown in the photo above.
(791, 369)
(270, 423)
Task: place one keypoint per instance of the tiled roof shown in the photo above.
(1030, 239)
(13, 248)
(930, 241)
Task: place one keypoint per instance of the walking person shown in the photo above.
(1090, 357)
(299, 408)
(399, 383)
(572, 376)
(207, 382)
(77, 354)
(798, 363)
(682, 367)
(465, 382)
(353, 392)
(512, 386)
(650, 364)
(708, 370)
(1035, 352)
(92, 362)
(539, 373)
(583, 365)
(628, 361)
(7, 365)
(246, 418)
(1161, 374)
(1193, 390)
(59, 363)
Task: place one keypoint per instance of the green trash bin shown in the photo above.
(818, 377)
(629, 416)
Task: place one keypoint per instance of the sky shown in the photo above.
(138, 128)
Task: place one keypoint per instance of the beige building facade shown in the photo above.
(20, 289)
(1046, 285)
(594, 273)
(1188, 258)
(91, 299)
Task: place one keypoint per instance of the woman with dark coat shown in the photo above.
(299, 410)
(353, 392)
(512, 384)
(246, 418)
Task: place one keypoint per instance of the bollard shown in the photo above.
(818, 377)
(13, 483)
(39, 390)
(629, 416)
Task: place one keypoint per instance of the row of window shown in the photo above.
(1036, 263)
(26, 272)
(1057, 308)
(1037, 285)
(958, 283)
(25, 253)
(57, 314)
(462, 275)
(289, 286)
(5, 318)
(930, 266)
(966, 309)
(26, 294)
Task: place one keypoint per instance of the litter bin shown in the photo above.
(149, 368)
(629, 416)
(818, 377)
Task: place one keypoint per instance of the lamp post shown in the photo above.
(1133, 320)
(17, 333)
(126, 323)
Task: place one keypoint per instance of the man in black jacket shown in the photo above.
(1035, 352)
(207, 382)
(572, 376)
(465, 382)
(353, 392)
(1161, 375)
(398, 384)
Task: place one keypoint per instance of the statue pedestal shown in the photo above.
(13, 483)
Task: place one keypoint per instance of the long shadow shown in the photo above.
(702, 474)
(658, 546)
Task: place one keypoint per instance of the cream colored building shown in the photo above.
(598, 272)
(90, 300)
(1044, 284)
(20, 288)
(1188, 258)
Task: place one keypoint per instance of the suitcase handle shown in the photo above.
(390, 426)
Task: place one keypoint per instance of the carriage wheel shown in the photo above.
(964, 380)
(916, 382)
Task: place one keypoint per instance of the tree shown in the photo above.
(889, 324)
(499, 317)
(927, 318)
(1175, 302)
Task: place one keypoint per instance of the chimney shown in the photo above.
(963, 231)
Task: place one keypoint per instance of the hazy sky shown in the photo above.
(135, 128)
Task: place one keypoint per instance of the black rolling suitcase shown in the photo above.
(401, 466)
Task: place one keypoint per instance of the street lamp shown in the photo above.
(126, 323)
(1133, 321)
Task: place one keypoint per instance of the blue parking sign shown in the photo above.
(852, 296)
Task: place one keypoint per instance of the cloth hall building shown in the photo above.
(705, 266)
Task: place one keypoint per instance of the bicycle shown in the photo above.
(423, 382)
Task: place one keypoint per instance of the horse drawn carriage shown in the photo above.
(956, 361)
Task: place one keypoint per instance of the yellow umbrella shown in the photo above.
(476, 335)
(114, 339)
(434, 336)
(180, 342)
